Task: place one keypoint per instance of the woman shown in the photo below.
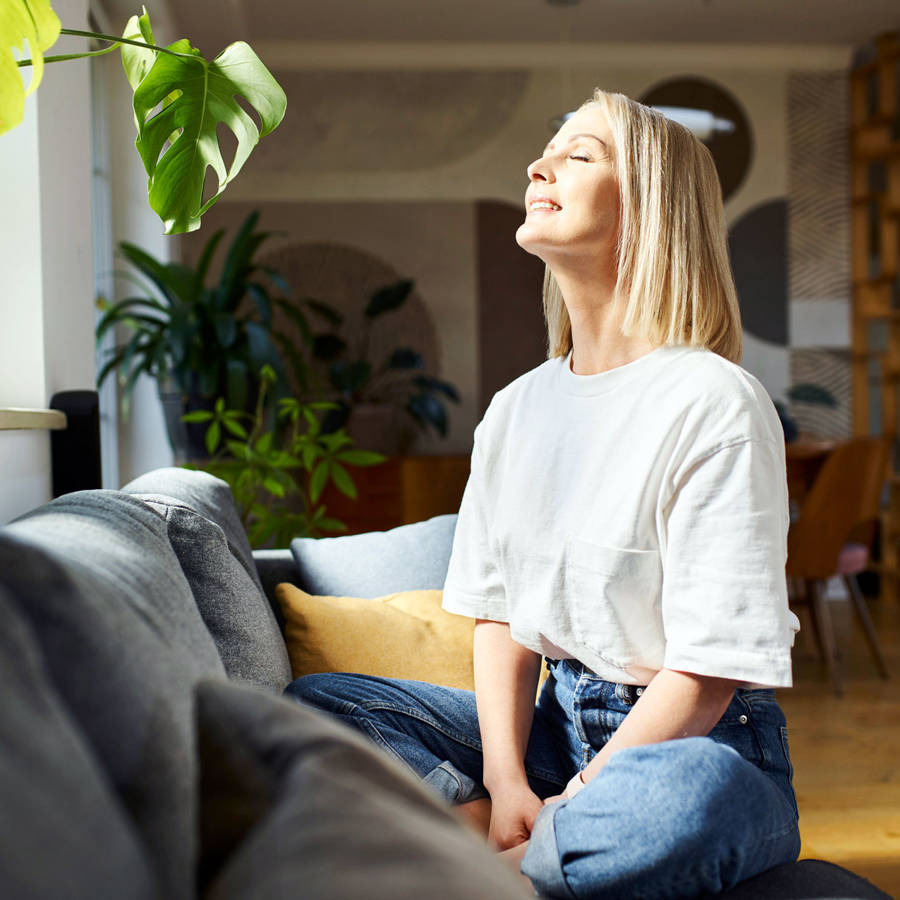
(625, 518)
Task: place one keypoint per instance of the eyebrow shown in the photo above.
(584, 134)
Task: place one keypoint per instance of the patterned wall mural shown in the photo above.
(819, 245)
(387, 121)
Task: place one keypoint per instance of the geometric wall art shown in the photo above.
(732, 151)
(819, 246)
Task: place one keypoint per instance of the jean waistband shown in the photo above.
(627, 692)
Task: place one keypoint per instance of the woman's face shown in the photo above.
(572, 202)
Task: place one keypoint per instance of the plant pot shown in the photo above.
(188, 441)
(384, 429)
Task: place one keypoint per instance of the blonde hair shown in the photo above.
(674, 276)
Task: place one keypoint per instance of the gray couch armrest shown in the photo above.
(274, 567)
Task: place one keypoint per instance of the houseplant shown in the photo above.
(178, 141)
(202, 341)
(362, 385)
(278, 470)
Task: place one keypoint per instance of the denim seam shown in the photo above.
(544, 775)
(379, 739)
(414, 714)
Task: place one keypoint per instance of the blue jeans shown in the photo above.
(672, 820)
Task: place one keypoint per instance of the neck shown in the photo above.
(598, 344)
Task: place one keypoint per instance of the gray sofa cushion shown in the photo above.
(207, 495)
(63, 833)
(411, 557)
(95, 576)
(294, 804)
(206, 535)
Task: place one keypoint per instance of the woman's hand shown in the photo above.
(572, 788)
(513, 811)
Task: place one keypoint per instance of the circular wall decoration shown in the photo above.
(732, 152)
(345, 278)
(757, 244)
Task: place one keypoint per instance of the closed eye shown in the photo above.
(581, 158)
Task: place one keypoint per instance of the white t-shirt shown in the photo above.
(633, 520)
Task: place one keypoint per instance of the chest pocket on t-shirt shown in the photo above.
(614, 601)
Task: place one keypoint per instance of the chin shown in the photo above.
(525, 241)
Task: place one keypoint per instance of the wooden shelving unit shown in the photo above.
(875, 186)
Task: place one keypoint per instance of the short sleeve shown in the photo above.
(474, 585)
(724, 598)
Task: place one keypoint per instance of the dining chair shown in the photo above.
(845, 495)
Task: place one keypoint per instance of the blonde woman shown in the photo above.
(626, 520)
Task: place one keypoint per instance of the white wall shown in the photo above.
(46, 256)
(46, 342)
(143, 444)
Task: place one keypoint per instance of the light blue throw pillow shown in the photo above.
(411, 557)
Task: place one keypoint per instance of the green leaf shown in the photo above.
(207, 99)
(388, 298)
(273, 486)
(406, 358)
(318, 480)
(261, 301)
(327, 524)
(310, 453)
(198, 415)
(296, 316)
(235, 428)
(328, 313)
(33, 21)
(156, 271)
(341, 477)
(429, 410)
(137, 61)
(241, 451)
(361, 457)
(238, 260)
(435, 384)
(206, 257)
(226, 328)
(264, 444)
(213, 436)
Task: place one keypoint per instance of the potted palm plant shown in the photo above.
(200, 340)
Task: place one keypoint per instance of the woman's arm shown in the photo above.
(674, 705)
(506, 677)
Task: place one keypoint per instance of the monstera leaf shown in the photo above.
(179, 102)
(138, 61)
(22, 20)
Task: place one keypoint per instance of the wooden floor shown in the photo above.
(846, 751)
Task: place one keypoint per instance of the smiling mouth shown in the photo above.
(543, 204)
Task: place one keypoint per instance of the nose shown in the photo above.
(540, 170)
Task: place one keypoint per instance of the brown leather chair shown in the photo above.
(845, 495)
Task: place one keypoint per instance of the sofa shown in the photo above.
(146, 750)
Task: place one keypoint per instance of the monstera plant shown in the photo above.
(180, 98)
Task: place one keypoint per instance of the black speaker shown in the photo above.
(75, 450)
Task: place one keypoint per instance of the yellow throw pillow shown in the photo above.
(406, 635)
